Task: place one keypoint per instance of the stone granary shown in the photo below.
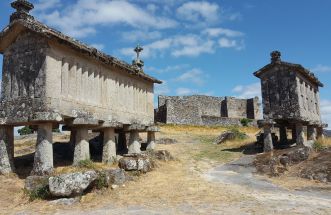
(205, 110)
(290, 97)
(50, 79)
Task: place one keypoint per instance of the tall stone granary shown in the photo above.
(290, 98)
(50, 79)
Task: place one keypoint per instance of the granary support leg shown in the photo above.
(109, 146)
(43, 158)
(134, 144)
(268, 144)
(311, 133)
(82, 148)
(320, 134)
(6, 149)
(283, 134)
(300, 134)
(150, 140)
(122, 145)
(72, 139)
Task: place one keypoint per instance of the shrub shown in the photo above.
(101, 181)
(244, 122)
(86, 164)
(319, 145)
(25, 130)
(39, 193)
(238, 134)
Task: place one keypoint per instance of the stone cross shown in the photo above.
(137, 62)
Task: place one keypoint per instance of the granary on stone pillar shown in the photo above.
(49, 78)
(290, 98)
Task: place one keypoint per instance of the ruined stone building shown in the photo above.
(290, 97)
(49, 79)
(205, 110)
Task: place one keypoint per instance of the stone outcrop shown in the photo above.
(225, 136)
(72, 184)
(114, 176)
(35, 182)
(136, 162)
(205, 110)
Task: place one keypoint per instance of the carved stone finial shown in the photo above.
(138, 63)
(23, 8)
(275, 57)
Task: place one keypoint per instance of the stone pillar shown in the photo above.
(72, 140)
(282, 135)
(268, 144)
(150, 140)
(294, 134)
(134, 145)
(109, 146)
(122, 145)
(300, 134)
(43, 158)
(320, 134)
(82, 147)
(6, 149)
(311, 133)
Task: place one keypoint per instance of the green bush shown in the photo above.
(88, 164)
(40, 193)
(244, 122)
(101, 181)
(238, 134)
(319, 146)
(25, 130)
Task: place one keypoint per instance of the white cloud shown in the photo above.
(193, 76)
(248, 91)
(326, 111)
(174, 68)
(162, 89)
(321, 68)
(196, 11)
(184, 91)
(85, 15)
(229, 43)
(216, 32)
(139, 35)
(43, 5)
(98, 46)
(181, 45)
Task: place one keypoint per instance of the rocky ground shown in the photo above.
(204, 179)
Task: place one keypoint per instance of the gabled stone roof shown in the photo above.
(296, 67)
(15, 28)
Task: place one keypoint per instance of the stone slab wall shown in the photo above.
(205, 110)
(287, 95)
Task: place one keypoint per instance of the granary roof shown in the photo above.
(275, 61)
(20, 23)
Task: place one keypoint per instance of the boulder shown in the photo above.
(166, 141)
(72, 184)
(114, 176)
(136, 162)
(277, 162)
(162, 155)
(227, 135)
(36, 182)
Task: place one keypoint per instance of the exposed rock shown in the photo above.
(114, 186)
(227, 135)
(319, 168)
(35, 182)
(166, 141)
(72, 184)
(114, 176)
(277, 162)
(136, 162)
(162, 155)
(65, 201)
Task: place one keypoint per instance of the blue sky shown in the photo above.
(200, 47)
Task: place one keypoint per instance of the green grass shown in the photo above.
(211, 151)
(87, 164)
